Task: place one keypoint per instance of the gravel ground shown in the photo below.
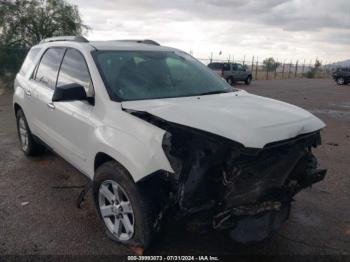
(50, 224)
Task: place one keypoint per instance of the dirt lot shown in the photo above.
(51, 224)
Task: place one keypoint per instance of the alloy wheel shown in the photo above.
(340, 81)
(116, 210)
(23, 134)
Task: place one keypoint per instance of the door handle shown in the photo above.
(51, 105)
(27, 92)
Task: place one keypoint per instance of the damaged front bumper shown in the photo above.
(249, 191)
(245, 191)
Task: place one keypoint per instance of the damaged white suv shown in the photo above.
(159, 133)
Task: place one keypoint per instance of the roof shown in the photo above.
(128, 45)
(111, 45)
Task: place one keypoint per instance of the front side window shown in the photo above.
(74, 70)
(48, 67)
(136, 75)
(240, 67)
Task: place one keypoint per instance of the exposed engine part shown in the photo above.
(259, 227)
(236, 185)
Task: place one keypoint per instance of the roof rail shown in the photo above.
(145, 41)
(65, 38)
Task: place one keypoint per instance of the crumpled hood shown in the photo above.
(251, 120)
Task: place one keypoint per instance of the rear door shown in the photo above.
(235, 72)
(227, 70)
(217, 68)
(22, 81)
(241, 72)
(42, 87)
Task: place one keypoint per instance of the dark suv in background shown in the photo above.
(232, 72)
(341, 76)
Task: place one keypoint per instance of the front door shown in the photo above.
(72, 119)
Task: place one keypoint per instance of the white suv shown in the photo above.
(162, 136)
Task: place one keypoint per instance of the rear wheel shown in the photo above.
(124, 211)
(230, 81)
(340, 81)
(248, 80)
(29, 146)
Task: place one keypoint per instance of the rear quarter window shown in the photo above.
(29, 60)
(215, 66)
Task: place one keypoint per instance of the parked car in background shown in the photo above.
(341, 76)
(232, 72)
(162, 136)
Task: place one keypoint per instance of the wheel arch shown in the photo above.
(16, 107)
(101, 158)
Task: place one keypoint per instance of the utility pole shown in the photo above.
(275, 66)
(256, 68)
(290, 68)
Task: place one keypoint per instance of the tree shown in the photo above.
(313, 71)
(24, 23)
(270, 64)
(317, 65)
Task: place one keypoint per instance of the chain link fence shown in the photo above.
(279, 70)
(11, 60)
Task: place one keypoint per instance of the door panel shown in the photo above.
(71, 120)
(42, 86)
(42, 97)
(235, 72)
(75, 130)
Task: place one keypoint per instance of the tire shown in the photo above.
(29, 146)
(248, 80)
(230, 81)
(340, 81)
(135, 218)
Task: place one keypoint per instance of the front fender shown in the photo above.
(140, 158)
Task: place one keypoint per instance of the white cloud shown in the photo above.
(287, 29)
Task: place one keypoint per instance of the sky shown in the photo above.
(284, 29)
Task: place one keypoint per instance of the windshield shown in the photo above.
(136, 75)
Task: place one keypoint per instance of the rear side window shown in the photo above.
(48, 67)
(226, 67)
(215, 66)
(74, 70)
(29, 61)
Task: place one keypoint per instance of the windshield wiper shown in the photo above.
(214, 92)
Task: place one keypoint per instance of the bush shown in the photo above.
(6, 80)
(310, 74)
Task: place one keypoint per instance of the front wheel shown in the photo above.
(248, 80)
(123, 210)
(340, 81)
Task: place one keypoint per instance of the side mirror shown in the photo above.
(69, 92)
